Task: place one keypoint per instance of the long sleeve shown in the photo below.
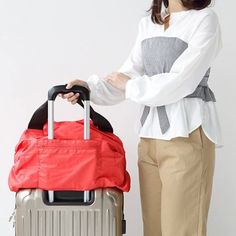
(186, 72)
(102, 93)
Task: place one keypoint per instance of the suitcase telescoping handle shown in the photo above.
(85, 96)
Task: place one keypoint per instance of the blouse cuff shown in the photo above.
(131, 89)
(92, 82)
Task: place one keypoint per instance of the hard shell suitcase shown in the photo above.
(69, 213)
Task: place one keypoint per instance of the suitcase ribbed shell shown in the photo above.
(102, 218)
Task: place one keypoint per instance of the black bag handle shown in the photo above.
(40, 116)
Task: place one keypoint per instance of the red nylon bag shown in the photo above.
(68, 162)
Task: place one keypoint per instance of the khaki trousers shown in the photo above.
(175, 179)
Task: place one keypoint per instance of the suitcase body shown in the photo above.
(102, 215)
(69, 213)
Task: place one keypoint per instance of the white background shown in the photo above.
(49, 42)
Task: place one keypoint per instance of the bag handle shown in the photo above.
(40, 116)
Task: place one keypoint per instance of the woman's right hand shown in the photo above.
(73, 97)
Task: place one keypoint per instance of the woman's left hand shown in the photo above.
(118, 80)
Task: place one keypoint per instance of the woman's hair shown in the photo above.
(188, 4)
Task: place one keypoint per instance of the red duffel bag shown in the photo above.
(69, 162)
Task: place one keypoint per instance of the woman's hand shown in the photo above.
(118, 80)
(73, 97)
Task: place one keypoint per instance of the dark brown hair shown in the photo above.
(188, 4)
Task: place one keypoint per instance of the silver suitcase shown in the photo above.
(69, 213)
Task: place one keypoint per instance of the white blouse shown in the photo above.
(165, 66)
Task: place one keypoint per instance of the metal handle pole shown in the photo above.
(51, 136)
(86, 134)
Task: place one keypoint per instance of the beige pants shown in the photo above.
(176, 184)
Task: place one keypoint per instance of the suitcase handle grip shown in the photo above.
(83, 91)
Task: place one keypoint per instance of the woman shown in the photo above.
(167, 73)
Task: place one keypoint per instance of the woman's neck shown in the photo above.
(175, 6)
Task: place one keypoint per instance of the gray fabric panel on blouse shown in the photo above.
(146, 111)
(159, 54)
(203, 91)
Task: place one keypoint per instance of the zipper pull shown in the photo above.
(13, 218)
